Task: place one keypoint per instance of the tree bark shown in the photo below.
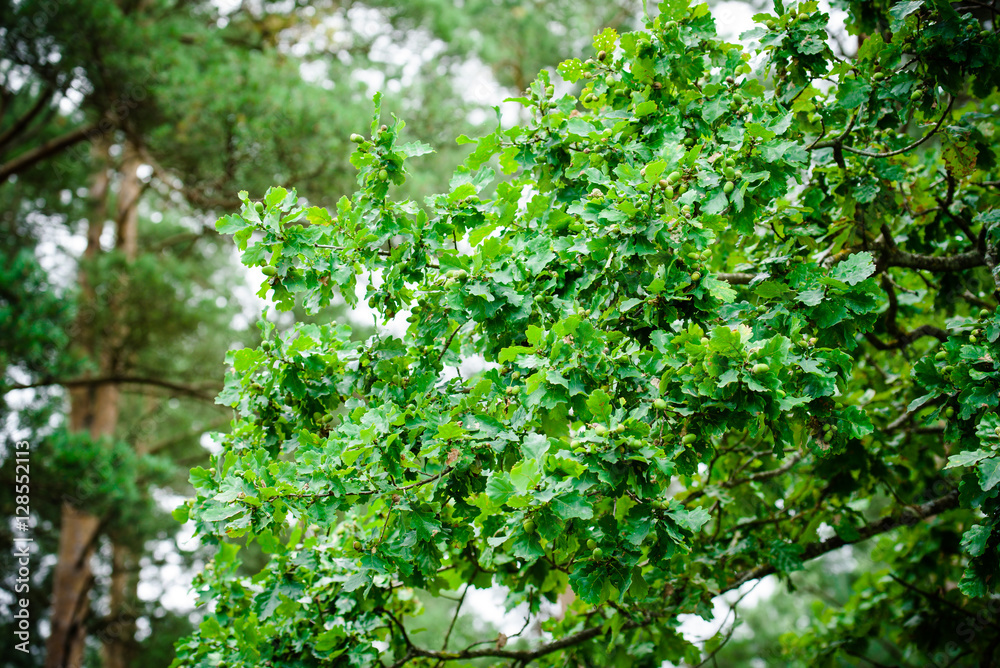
(93, 409)
(118, 636)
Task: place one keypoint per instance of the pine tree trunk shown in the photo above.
(118, 637)
(94, 409)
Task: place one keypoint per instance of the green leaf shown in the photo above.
(856, 268)
(499, 488)
(852, 93)
(975, 539)
(900, 11)
(572, 505)
(721, 290)
(219, 512)
(230, 224)
(599, 404)
(989, 473)
(450, 430)
(967, 458)
(415, 148)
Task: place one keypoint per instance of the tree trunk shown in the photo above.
(93, 408)
(118, 635)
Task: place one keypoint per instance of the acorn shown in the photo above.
(269, 270)
(689, 439)
(356, 138)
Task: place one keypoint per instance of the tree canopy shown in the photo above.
(124, 128)
(732, 310)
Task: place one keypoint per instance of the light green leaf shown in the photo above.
(856, 268)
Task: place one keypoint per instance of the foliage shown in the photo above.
(33, 319)
(209, 96)
(719, 306)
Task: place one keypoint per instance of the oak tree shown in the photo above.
(732, 310)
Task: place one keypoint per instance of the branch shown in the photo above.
(889, 154)
(370, 492)
(833, 143)
(49, 148)
(447, 344)
(736, 279)
(765, 475)
(24, 121)
(906, 338)
(839, 141)
(892, 256)
(185, 390)
(909, 515)
(458, 609)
